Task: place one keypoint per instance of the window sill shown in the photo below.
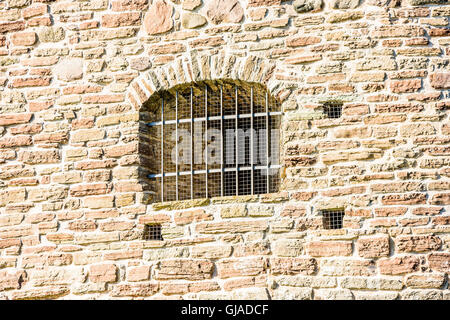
(191, 203)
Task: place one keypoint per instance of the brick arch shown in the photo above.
(201, 67)
(187, 70)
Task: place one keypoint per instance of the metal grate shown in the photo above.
(333, 110)
(332, 219)
(152, 232)
(214, 139)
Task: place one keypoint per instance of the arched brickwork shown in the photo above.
(195, 67)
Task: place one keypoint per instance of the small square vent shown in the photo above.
(333, 110)
(332, 219)
(152, 232)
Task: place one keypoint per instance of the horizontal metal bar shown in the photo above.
(211, 118)
(186, 173)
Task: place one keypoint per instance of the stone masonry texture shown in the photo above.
(75, 77)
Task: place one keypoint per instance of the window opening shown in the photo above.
(213, 139)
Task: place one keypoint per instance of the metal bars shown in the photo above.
(333, 110)
(219, 137)
(152, 232)
(333, 219)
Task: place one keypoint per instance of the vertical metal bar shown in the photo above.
(162, 149)
(222, 142)
(192, 147)
(236, 137)
(252, 163)
(267, 141)
(176, 143)
(206, 139)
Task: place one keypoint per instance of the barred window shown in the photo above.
(212, 139)
(152, 232)
(333, 219)
(333, 110)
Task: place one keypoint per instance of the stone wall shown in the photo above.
(75, 76)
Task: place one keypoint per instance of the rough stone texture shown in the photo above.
(69, 69)
(75, 82)
(192, 20)
(226, 11)
(158, 19)
(344, 4)
(302, 6)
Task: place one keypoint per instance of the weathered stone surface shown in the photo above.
(231, 226)
(373, 247)
(211, 252)
(329, 248)
(234, 211)
(288, 247)
(401, 265)
(439, 261)
(344, 4)
(228, 268)
(418, 243)
(191, 4)
(440, 80)
(302, 6)
(287, 266)
(181, 268)
(103, 273)
(24, 38)
(51, 34)
(158, 18)
(284, 293)
(224, 11)
(69, 69)
(192, 20)
(135, 290)
(140, 64)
